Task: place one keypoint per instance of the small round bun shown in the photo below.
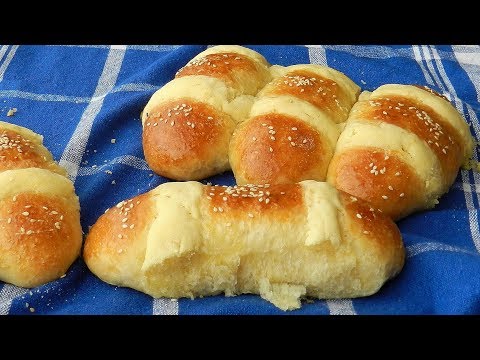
(40, 231)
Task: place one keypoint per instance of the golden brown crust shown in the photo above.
(182, 139)
(263, 200)
(322, 92)
(113, 242)
(226, 66)
(20, 152)
(40, 238)
(431, 91)
(379, 177)
(377, 234)
(421, 120)
(277, 148)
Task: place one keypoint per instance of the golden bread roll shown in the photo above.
(401, 149)
(40, 231)
(283, 242)
(188, 123)
(292, 130)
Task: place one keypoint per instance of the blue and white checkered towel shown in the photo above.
(82, 97)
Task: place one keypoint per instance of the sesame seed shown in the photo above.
(271, 150)
(365, 232)
(267, 200)
(9, 220)
(172, 123)
(353, 198)
(260, 199)
(304, 141)
(29, 232)
(282, 192)
(390, 187)
(57, 225)
(220, 209)
(444, 151)
(386, 157)
(224, 198)
(289, 138)
(359, 216)
(272, 137)
(402, 195)
(124, 226)
(124, 220)
(132, 226)
(25, 213)
(254, 138)
(120, 236)
(384, 197)
(292, 143)
(215, 209)
(250, 215)
(397, 173)
(294, 128)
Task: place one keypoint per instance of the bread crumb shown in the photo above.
(12, 112)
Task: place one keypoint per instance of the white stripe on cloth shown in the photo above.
(317, 54)
(128, 160)
(158, 48)
(472, 215)
(341, 307)
(419, 59)
(131, 87)
(73, 153)
(416, 249)
(43, 97)
(165, 307)
(7, 294)
(7, 61)
(3, 50)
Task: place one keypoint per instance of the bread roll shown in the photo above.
(188, 123)
(401, 149)
(292, 130)
(40, 232)
(283, 242)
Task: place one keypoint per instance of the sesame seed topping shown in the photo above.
(271, 150)
(390, 187)
(353, 198)
(304, 141)
(215, 209)
(250, 215)
(365, 232)
(25, 213)
(57, 225)
(402, 194)
(359, 216)
(254, 138)
(397, 173)
(384, 197)
(132, 226)
(124, 226)
(294, 128)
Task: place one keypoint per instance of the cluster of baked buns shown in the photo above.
(282, 231)
(322, 173)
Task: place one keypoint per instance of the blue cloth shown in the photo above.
(82, 97)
